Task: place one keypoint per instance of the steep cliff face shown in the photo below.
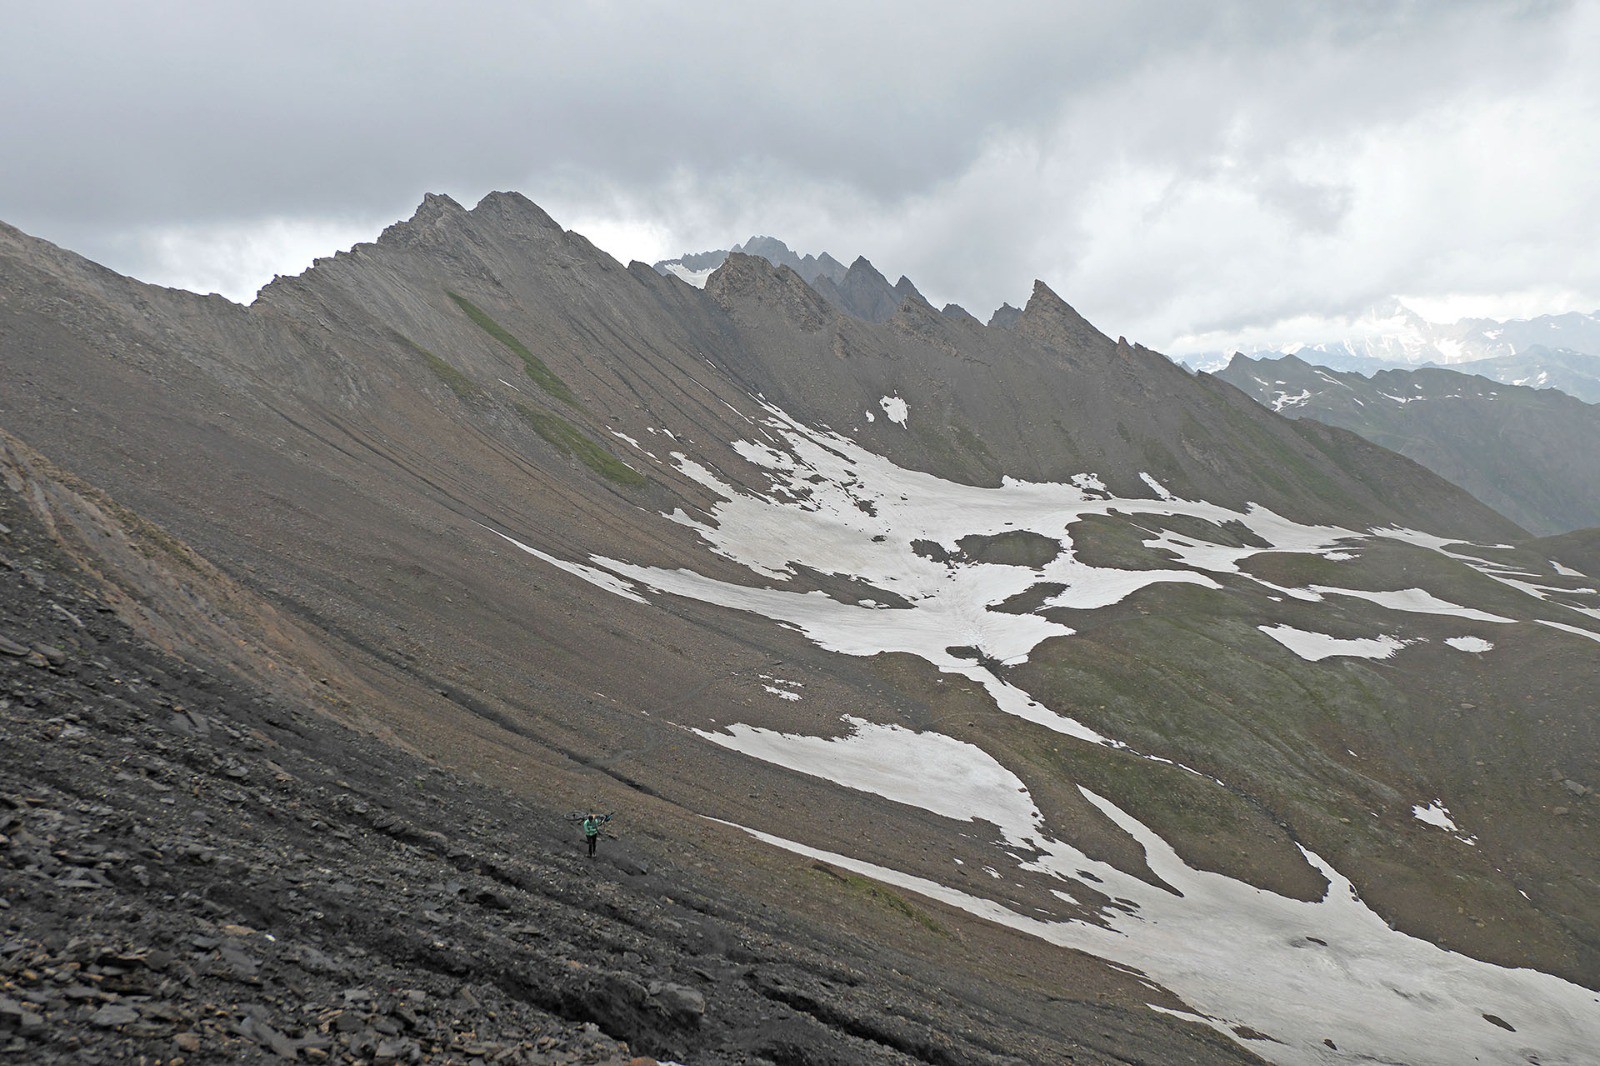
(739, 554)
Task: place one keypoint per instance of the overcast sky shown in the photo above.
(1185, 173)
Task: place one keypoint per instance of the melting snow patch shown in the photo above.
(1567, 571)
(1089, 482)
(1296, 971)
(1569, 629)
(609, 582)
(1476, 645)
(953, 778)
(1156, 487)
(895, 409)
(1437, 814)
(1314, 647)
(1235, 952)
(1415, 601)
(787, 692)
(697, 278)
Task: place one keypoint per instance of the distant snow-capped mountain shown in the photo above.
(695, 267)
(1527, 452)
(1394, 333)
(1550, 351)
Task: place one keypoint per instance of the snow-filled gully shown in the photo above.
(1325, 981)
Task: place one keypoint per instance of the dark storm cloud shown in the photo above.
(973, 147)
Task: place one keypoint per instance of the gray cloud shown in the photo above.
(1172, 168)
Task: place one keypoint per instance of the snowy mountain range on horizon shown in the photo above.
(1392, 335)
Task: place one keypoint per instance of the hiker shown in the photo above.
(591, 829)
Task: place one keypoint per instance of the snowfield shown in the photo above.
(1301, 973)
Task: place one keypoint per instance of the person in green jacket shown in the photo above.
(591, 829)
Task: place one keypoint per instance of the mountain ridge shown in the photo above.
(1523, 451)
(1036, 551)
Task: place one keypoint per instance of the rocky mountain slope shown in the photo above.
(196, 863)
(1527, 453)
(1539, 367)
(1035, 670)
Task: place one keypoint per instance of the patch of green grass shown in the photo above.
(882, 894)
(570, 440)
(1102, 540)
(540, 374)
(454, 379)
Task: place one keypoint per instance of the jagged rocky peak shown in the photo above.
(1049, 319)
(810, 267)
(908, 291)
(860, 290)
(513, 212)
(752, 282)
(427, 224)
(696, 267)
(863, 292)
(439, 219)
(959, 314)
(1005, 316)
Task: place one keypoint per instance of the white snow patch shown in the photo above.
(1414, 601)
(870, 416)
(609, 582)
(1567, 571)
(953, 779)
(1102, 587)
(782, 693)
(1437, 814)
(1155, 486)
(895, 409)
(1089, 482)
(1283, 399)
(623, 436)
(1569, 629)
(1314, 647)
(1300, 972)
(697, 278)
(1475, 645)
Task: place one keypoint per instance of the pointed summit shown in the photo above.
(514, 212)
(1051, 320)
(1005, 317)
(864, 292)
(752, 284)
(907, 291)
(427, 223)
